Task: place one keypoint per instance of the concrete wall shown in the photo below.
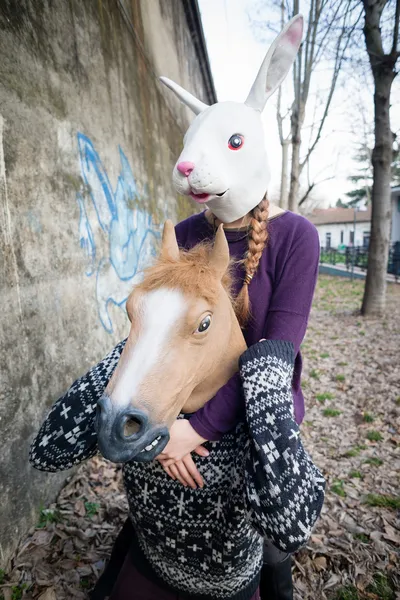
(88, 138)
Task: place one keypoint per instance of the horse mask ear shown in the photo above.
(276, 64)
(191, 101)
(219, 259)
(169, 245)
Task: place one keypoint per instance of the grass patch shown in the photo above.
(17, 591)
(383, 501)
(343, 364)
(314, 374)
(368, 418)
(324, 355)
(361, 332)
(374, 436)
(331, 412)
(338, 489)
(356, 475)
(85, 583)
(349, 592)
(308, 423)
(397, 401)
(48, 516)
(354, 451)
(92, 508)
(373, 460)
(382, 587)
(340, 377)
(362, 537)
(324, 396)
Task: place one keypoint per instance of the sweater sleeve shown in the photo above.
(284, 489)
(291, 300)
(67, 436)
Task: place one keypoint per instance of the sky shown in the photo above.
(236, 53)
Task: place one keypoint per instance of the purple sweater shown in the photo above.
(280, 294)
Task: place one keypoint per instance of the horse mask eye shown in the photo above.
(204, 325)
(235, 141)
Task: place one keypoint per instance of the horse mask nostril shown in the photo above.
(132, 426)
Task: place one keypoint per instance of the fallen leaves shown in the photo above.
(356, 377)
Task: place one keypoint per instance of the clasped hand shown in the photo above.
(176, 458)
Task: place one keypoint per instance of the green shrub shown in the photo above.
(338, 489)
(382, 500)
(331, 412)
(374, 436)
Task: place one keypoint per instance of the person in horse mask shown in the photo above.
(223, 166)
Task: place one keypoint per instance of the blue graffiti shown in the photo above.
(131, 234)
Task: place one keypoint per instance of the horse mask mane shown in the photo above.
(224, 163)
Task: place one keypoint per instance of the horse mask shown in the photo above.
(224, 163)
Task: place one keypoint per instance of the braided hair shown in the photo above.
(257, 236)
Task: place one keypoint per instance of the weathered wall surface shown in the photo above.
(88, 138)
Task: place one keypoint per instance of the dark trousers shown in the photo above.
(131, 585)
(121, 572)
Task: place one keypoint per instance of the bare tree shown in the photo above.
(383, 66)
(330, 25)
(284, 140)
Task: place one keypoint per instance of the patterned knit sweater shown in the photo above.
(260, 482)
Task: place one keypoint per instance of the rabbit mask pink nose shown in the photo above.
(185, 168)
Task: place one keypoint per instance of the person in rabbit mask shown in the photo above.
(224, 166)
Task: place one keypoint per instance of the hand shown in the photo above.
(176, 459)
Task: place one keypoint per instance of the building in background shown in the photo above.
(342, 227)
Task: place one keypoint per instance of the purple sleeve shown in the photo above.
(220, 414)
(291, 300)
(286, 320)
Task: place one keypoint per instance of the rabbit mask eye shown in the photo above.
(235, 141)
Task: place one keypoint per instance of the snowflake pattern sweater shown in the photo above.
(260, 482)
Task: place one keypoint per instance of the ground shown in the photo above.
(352, 430)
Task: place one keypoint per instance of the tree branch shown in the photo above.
(311, 187)
(340, 53)
(396, 30)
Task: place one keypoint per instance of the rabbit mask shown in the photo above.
(223, 163)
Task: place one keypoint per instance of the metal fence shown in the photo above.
(357, 256)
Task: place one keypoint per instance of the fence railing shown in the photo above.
(357, 256)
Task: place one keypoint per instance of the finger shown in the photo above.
(201, 451)
(169, 472)
(193, 471)
(170, 461)
(178, 476)
(184, 473)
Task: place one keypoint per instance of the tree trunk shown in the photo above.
(295, 166)
(375, 286)
(283, 203)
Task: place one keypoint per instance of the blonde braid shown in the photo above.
(258, 236)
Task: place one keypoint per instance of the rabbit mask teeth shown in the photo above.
(224, 161)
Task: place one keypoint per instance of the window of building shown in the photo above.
(366, 236)
(342, 236)
(352, 238)
(328, 240)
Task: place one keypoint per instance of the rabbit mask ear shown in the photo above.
(191, 101)
(276, 64)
